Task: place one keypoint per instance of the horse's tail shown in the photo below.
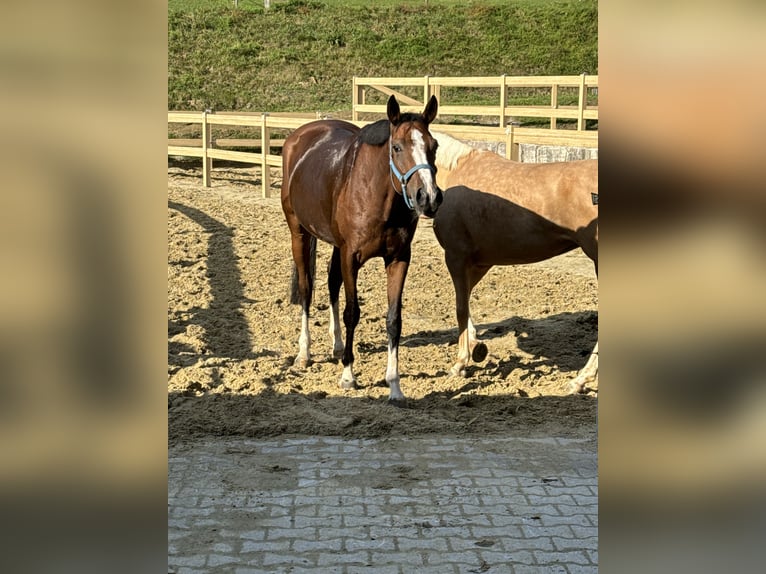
(295, 296)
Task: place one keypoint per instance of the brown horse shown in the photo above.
(362, 191)
(502, 212)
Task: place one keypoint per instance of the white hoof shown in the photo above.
(579, 385)
(347, 379)
(395, 394)
(347, 384)
(301, 362)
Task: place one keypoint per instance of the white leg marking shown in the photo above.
(337, 345)
(471, 332)
(392, 374)
(477, 349)
(347, 379)
(304, 342)
(588, 374)
(463, 354)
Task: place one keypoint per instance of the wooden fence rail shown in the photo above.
(511, 135)
(432, 85)
(208, 152)
(208, 149)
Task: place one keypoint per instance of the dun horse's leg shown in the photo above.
(460, 283)
(587, 374)
(334, 282)
(397, 273)
(301, 243)
(477, 348)
(464, 279)
(350, 271)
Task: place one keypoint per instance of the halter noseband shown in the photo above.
(403, 179)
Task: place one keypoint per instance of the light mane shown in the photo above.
(450, 151)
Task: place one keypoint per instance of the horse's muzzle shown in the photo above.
(428, 205)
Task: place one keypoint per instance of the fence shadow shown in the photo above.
(227, 333)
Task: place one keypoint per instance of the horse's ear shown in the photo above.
(393, 110)
(431, 108)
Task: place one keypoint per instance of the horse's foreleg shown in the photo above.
(464, 279)
(587, 374)
(302, 254)
(350, 272)
(478, 350)
(397, 273)
(460, 283)
(334, 282)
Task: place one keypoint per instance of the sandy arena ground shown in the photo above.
(232, 333)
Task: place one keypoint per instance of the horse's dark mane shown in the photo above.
(377, 133)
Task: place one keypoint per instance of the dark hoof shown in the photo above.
(479, 352)
(398, 403)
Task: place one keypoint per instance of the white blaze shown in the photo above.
(419, 156)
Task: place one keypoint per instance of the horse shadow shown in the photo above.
(227, 332)
(537, 337)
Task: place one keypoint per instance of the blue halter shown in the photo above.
(403, 179)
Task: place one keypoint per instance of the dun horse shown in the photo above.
(501, 212)
(362, 191)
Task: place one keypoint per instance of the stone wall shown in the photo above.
(533, 153)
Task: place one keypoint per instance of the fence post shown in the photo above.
(207, 162)
(503, 97)
(581, 104)
(355, 97)
(426, 90)
(554, 103)
(511, 148)
(436, 90)
(265, 148)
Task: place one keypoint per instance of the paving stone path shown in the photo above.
(432, 504)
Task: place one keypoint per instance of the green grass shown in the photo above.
(185, 5)
(301, 54)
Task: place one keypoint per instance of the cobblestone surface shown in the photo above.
(398, 505)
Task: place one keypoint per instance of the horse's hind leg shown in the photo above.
(304, 252)
(396, 270)
(334, 282)
(350, 271)
(587, 374)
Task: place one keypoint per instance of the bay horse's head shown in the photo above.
(412, 157)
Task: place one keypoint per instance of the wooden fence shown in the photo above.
(209, 149)
(585, 85)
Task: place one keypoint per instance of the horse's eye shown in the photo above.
(397, 148)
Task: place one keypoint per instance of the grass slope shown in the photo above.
(301, 54)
